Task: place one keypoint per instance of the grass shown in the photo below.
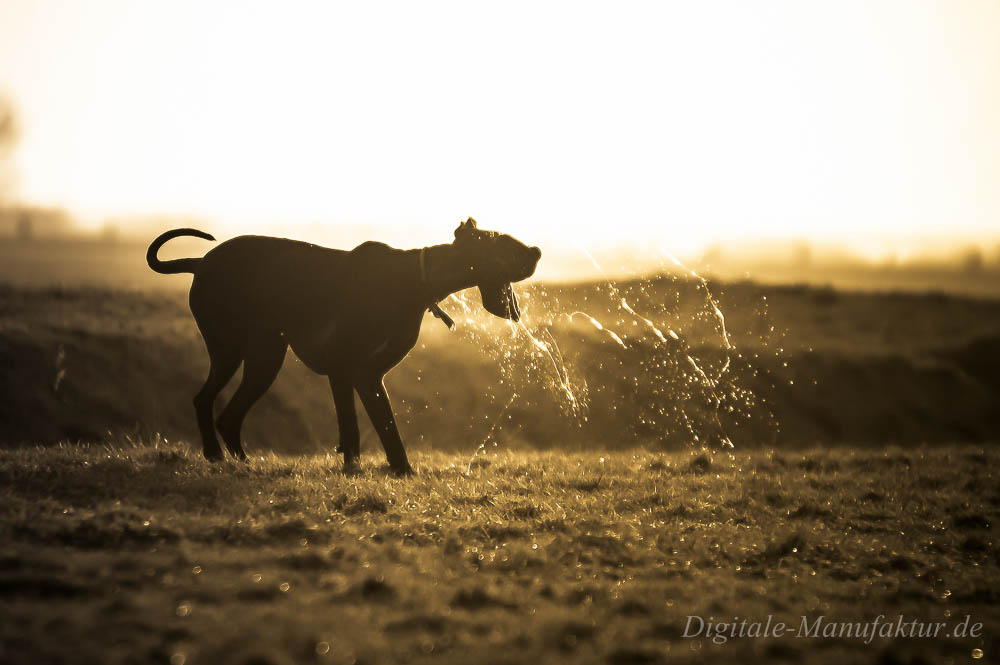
(146, 553)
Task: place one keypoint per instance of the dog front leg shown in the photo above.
(376, 402)
(347, 421)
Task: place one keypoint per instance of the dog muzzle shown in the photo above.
(499, 300)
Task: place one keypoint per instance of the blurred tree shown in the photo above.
(20, 220)
(8, 125)
(972, 260)
(802, 255)
(9, 133)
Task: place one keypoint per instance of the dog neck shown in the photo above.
(436, 285)
(423, 266)
(441, 273)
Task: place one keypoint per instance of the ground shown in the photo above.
(134, 553)
(574, 501)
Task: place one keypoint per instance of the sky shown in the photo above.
(871, 125)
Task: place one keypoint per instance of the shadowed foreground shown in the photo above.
(150, 554)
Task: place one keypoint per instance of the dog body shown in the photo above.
(331, 306)
(350, 315)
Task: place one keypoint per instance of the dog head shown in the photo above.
(494, 261)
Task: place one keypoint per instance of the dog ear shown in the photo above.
(465, 228)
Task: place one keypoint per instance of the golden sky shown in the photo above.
(870, 124)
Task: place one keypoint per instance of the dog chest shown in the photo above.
(336, 344)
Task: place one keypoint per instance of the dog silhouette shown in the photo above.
(349, 315)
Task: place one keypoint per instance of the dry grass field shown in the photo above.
(575, 499)
(149, 554)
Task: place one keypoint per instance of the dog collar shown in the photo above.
(434, 308)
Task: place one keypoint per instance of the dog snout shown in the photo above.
(533, 255)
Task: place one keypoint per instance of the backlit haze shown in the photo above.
(867, 126)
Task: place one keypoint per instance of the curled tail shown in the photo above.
(176, 265)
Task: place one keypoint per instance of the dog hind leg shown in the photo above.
(347, 421)
(264, 357)
(224, 363)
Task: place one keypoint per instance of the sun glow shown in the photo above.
(872, 124)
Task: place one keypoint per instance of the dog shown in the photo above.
(349, 315)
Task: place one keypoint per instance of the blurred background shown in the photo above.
(806, 194)
(808, 141)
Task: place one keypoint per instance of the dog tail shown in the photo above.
(176, 265)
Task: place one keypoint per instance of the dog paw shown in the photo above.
(402, 471)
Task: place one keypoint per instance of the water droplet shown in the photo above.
(322, 648)
(977, 653)
(184, 609)
(284, 586)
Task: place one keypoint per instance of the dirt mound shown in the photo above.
(90, 365)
